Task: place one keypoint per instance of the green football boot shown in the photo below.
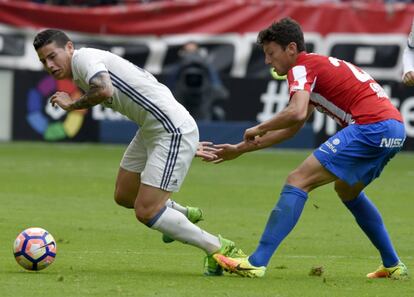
(194, 215)
(399, 272)
(240, 266)
(228, 247)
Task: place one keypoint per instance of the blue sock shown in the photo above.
(281, 221)
(370, 221)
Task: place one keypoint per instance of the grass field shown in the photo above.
(103, 251)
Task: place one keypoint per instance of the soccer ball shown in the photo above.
(34, 249)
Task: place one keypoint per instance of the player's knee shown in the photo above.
(141, 218)
(146, 212)
(143, 214)
(343, 192)
(123, 199)
(291, 178)
(294, 179)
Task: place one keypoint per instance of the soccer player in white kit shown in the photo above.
(408, 60)
(158, 157)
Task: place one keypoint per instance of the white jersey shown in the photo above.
(137, 93)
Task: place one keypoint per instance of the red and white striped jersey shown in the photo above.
(342, 90)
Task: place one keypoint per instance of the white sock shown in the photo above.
(172, 204)
(176, 225)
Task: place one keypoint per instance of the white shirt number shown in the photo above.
(360, 74)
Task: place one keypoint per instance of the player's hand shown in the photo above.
(251, 134)
(408, 79)
(62, 99)
(226, 152)
(206, 151)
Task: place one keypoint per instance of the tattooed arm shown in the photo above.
(100, 89)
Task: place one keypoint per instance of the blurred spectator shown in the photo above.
(408, 59)
(197, 85)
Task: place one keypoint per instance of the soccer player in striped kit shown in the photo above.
(157, 160)
(373, 133)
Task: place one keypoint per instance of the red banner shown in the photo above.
(210, 16)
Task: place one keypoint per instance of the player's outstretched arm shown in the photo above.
(206, 151)
(295, 113)
(100, 89)
(227, 151)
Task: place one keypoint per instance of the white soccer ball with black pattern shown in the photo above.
(34, 249)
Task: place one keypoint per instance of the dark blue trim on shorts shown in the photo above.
(171, 159)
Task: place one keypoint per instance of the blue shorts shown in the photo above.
(358, 153)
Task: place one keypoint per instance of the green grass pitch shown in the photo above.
(103, 251)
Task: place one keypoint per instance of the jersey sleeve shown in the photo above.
(86, 65)
(300, 79)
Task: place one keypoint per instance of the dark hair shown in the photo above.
(283, 32)
(48, 36)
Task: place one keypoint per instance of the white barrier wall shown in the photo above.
(6, 95)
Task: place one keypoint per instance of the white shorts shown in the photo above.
(163, 159)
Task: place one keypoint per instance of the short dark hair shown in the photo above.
(48, 36)
(283, 32)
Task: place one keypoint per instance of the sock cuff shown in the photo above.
(289, 189)
(156, 217)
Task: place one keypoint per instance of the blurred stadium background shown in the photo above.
(370, 34)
